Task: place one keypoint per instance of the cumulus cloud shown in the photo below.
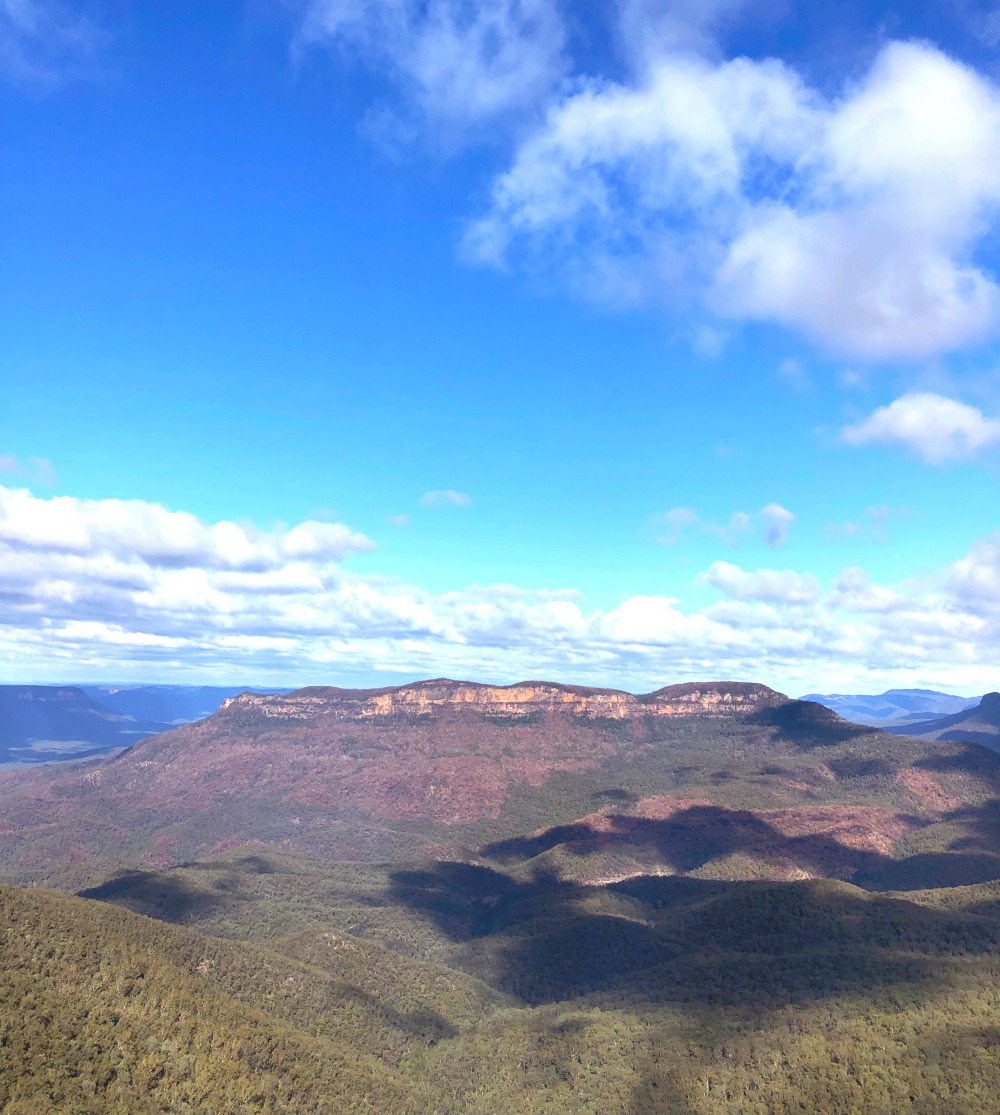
(44, 43)
(853, 220)
(447, 498)
(730, 185)
(854, 591)
(134, 530)
(937, 429)
(126, 589)
(460, 62)
(768, 585)
(777, 521)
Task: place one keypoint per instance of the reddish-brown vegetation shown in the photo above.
(709, 777)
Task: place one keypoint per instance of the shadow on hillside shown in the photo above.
(691, 839)
(694, 943)
(966, 735)
(976, 761)
(807, 724)
(166, 897)
(653, 1095)
(695, 837)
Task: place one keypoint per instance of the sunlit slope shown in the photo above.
(106, 1011)
(645, 996)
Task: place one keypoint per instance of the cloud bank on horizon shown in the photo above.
(127, 589)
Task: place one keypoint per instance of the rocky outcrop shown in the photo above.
(524, 699)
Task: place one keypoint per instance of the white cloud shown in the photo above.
(447, 498)
(44, 42)
(777, 521)
(767, 585)
(647, 28)
(934, 427)
(106, 597)
(674, 522)
(854, 220)
(975, 579)
(773, 522)
(460, 62)
(134, 530)
(854, 591)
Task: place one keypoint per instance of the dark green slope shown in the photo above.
(647, 996)
(105, 1011)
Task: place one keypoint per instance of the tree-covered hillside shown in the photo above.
(457, 989)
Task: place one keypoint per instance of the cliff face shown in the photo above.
(522, 700)
(385, 773)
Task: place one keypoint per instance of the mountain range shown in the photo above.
(540, 898)
(48, 723)
(893, 708)
(168, 705)
(978, 724)
(42, 723)
(728, 780)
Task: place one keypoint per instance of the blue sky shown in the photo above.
(621, 344)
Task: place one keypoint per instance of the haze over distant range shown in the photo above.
(52, 723)
(604, 343)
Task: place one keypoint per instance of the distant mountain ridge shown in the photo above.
(521, 699)
(166, 704)
(52, 723)
(44, 722)
(979, 724)
(893, 707)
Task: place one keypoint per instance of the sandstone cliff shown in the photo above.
(521, 700)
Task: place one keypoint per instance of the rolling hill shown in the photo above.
(539, 997)
(104, 1011)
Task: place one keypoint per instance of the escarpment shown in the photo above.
(523, 699)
